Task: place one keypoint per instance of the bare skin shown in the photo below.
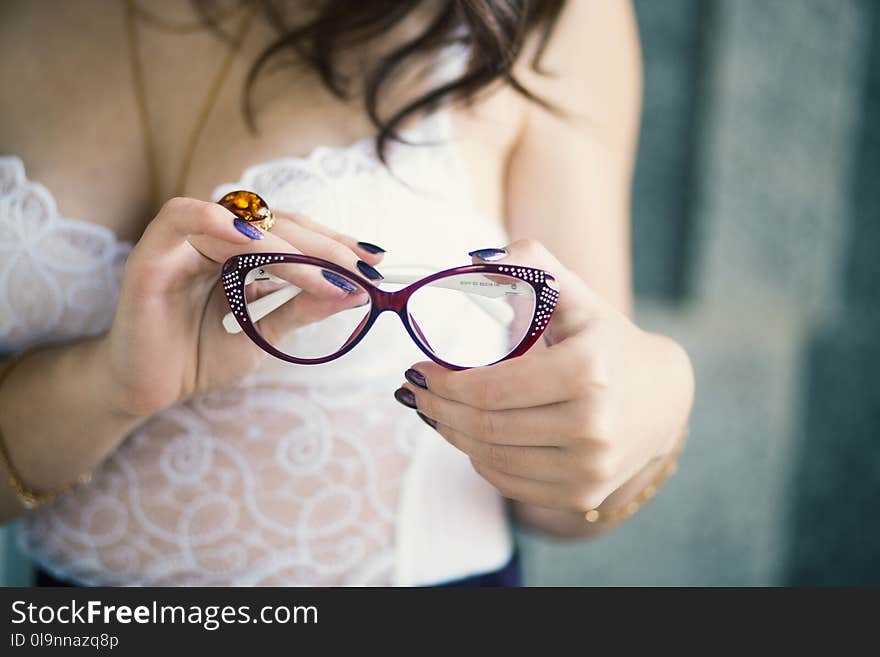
(563, 185)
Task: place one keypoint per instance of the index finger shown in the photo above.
(365, 250)
(540, 377)
(181, 218)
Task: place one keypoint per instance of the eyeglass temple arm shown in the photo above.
(261, 307)
(498, 312)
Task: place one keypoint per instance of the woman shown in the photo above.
(159, 449)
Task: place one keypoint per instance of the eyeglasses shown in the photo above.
(309, 311)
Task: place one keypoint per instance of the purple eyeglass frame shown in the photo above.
(235, 270)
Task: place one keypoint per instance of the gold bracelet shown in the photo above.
(595, 516)
(29, 498)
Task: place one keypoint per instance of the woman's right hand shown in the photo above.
(167, 342)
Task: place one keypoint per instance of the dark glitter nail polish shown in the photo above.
(245, 228)
(405, 397)
(431, 423)
(369, 271)
(371, 248)
(338, 281)
(416, 378)
(488, 254)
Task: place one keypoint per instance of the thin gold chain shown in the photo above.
(137, 74)
(172, 26)
(599, 515)
(27, 496)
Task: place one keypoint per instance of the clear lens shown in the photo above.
(305, 311)
(472, 319)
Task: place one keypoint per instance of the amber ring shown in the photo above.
(249, 207)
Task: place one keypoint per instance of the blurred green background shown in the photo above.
(757, 244)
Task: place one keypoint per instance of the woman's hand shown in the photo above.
(167, 342)
(563, 427)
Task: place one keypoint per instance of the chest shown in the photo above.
(75, 121)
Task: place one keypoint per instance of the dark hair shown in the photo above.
(494, 32)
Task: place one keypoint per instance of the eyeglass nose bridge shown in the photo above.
(386, 300)
(390, 300)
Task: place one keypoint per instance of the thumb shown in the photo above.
(577, 303)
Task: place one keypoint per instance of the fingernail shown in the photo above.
(488, 254)
(369, 271)
(338, 281)
(371, 248)
(416, 378)
(405, 397)
(431, 423)
(245, 228)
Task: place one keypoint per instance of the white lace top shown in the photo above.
(300, 475)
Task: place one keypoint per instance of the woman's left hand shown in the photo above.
(565, 426)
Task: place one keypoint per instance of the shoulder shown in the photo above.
(590, 68)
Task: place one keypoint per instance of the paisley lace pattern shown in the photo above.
(59, 278)
(293, 476)
(263, 485)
